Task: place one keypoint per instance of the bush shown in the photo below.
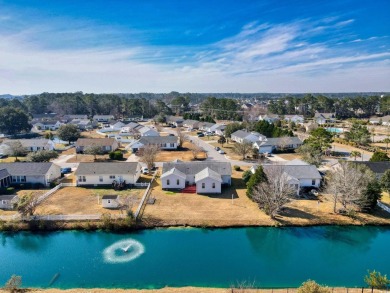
(117, 155)
(13, 284)
(312, 287)
(246, 176)
(237, 168)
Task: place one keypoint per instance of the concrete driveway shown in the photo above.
(61, 161)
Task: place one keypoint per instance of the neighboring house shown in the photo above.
(246, 106)
(270, 118)
(322, 118)
(378, 168)
(277, 143)
(130, 127)
(8, 202)
(68, 118)
(242, 135)
(220, 129)
(47, 125)
(32, 172)
(103, 118)
(102, 173)
(43, 117)
(214, 128)
(205, 126)
(110, 201)
(163, 142)
(298, 176)
(173, 120)
(147, 131)
(31, 145)
(108, 144)
(207, 176)
(5, 178)
(84, 124)
(112, 126)
(133, 118)
(191, 124)
(297, 119)
(385, 120)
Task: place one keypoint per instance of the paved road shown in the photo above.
(346, 153)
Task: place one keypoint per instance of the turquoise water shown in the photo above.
(334, 129)
(271, 257)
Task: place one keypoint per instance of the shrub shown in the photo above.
(237, 168)
(246, 175)
(117, 155)
(312, 287)
(13, 284)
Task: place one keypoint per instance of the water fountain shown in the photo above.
(123, 251)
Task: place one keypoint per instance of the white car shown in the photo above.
(145, 170)
(222, 152)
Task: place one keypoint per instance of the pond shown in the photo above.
(269, 257)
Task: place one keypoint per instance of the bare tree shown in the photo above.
(243, 149)
(196, 150)
(28, 204)
(347, 183)
(272, 194)
(94, 150)
(149, 154)
(182, 137)
(16, 149)
(284, 141)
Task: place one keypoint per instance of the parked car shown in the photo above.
(222, 152)
(145, 170)
(217, 148)
(199, 132)
(2, 156)
(171, 134)
(200, 135)
(173, 126)
(66, 170)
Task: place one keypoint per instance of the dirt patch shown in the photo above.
(184, 155)
(79, 200)
(228, 148)
(78, 158)
(289, 157)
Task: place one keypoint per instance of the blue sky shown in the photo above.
(194, 46)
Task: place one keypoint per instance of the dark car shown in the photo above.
(173, 126)
(2, 156)
(171, 134)
(66, 170)
(200, 135)
(199, 132)
(217, 148)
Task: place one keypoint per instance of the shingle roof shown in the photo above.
(298, 171)
(192, 168)
(240, 133)
(296, 162)
(94, 141)
(26, 168)
(286, 140)
(376, 167)
(106, 168)
(324, 115)
(146, 140)
(8, 197)
(175, 172)
(110, 196)
(34, 142)
(208, 173)
(4, 173)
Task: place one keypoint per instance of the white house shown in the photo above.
(191, 124)
(107, 144)
(270, 118)
(297, 119)
(147, 131)
(84, 124)
(47, 125)
(5, 178)
(107, 173)
(112, 126)
(299, 175)
(103, 118)
(32, 172)
(220, 129)
(163, 142)
(277, 143)
(205, 126)
(173, 120)
(31, 145)
(206, 177)
(7, 202)
(110, 201)
(322, 118)
(242, 135)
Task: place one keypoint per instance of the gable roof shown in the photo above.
(296, 162)
(110, 196)
(192, 168)
(27, 168)
(4, 173)
(33, 142)
(298, 171)
(146, 140)
(174, 171)
(83, 142)
(324, 115)
(276, 141)
(207, 173)
(107, 168)
(240, 133)
(8, 197)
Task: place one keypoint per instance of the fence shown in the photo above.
(64, 217)
(145, 196)
(383, 206)
(295, 290)
(10, 218)
(142, 184)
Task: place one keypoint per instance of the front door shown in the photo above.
(120, 178)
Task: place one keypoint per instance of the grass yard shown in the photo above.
(289, 157)
(79, 200)
(91, 134)
(184, 155)
(228, 148)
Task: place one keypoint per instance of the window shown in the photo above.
(168, 182)
(82, 179)
(100, 178)
(108, 201)
(203, 185)
(178, 182)
(213, 184)
(172, 145)
(313, 182)
(22, 178)
(112, 176)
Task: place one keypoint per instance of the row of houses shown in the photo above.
(264, 144)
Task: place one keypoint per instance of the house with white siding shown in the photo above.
(8, 202)
(107, 173)
(174, 120)
(110, 201)
(31, 145)
(206, 126)
(322, 118)
(270, 118)
(205, 177)
(163, 142)
(241, 135)
(147, 131)
(102, 118)
(84, 124)
(191, 124)
(277, 143)
(298, 173)
(220, 129)
(297, 119)
(107, 144)
(47, 125)
(32, 172)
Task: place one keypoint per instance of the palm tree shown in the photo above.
(356, 154)
(386, 141)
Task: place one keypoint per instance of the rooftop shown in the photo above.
(107, 168)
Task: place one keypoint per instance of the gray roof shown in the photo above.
(8, 197)
(298, 171)
(324, 115)
(83, 142)
(206, 124)
(278, 140)
(116, 196)
(103, 116)
(192, 168)
(33, 142)
(240, 133)
(4, 173)
(190, 122)
(208, 173)
(107, 168)
(376, 167)
(175, 172)
(146, 140)
(27, 168)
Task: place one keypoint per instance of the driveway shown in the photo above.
(61, 161)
